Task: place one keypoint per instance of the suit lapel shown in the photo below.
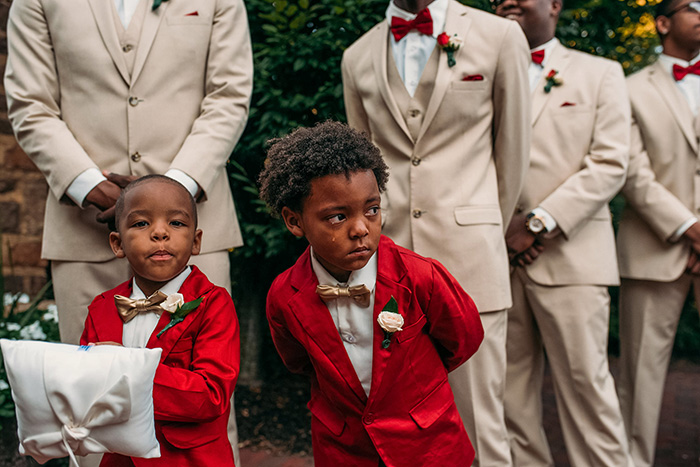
(315, 319)
(196, 285)
(108, 324)
(380, 55)
(102, 12)
(455, 22)
(673, 98)
(559, 61)
(148, 34)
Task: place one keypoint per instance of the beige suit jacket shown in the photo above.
(663, 185)
(453, 188)
(73, 105)
(580, 147)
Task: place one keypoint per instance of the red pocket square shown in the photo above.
(473, 78)
(568, 104)
(194, 13)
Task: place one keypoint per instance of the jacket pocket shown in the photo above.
(433, 405)
(328, 415)
(412, 330)
(470, 215)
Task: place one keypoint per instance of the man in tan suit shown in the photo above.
(126, 87)
(562, 244)
(659, 237)
(455, 134)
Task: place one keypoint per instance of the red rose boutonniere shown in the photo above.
(552, 80)
(450, 45)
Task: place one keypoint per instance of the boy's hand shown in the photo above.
(106, 343)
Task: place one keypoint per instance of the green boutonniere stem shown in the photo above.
(179, 315)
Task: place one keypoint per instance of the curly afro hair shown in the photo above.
(329, 148)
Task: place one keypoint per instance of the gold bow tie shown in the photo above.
(359, 293)
(128, 308)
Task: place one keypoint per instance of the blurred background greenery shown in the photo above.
(298, 46)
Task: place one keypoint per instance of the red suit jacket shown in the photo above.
(195, 379)
(410, 416)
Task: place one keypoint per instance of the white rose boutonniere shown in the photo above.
(178, 309)
(390, 320)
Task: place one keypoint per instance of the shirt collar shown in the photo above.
(365, 276)
(548, 47)
(168, 289)
(667, 62)
(438, 11)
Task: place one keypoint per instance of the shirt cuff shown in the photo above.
(549, 222)
(186, 180)
(83, 184)
(681, 230)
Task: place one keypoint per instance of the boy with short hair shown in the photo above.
(376, 327)
(157, 233)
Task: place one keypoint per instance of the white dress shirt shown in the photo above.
(137, 331)
(355, 323)
(689, 87)
(412, 52)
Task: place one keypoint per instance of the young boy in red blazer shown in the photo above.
(375, 326)
(172, 306)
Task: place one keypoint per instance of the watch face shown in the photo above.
(535, 224)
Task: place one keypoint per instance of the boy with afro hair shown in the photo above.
(375, 326)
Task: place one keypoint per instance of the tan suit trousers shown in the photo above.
(649, 314)
(479, 387)
(75, 284)
(570, 324)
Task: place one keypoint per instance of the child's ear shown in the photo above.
(292, 220)
(115, 241)
(197, 243)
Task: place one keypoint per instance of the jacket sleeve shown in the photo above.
(511, 119)
(33, 96)
(453, 320)
(224, 109)
(202, 392)
(603, 169)
(290, 350)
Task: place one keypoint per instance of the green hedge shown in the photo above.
(298, 46)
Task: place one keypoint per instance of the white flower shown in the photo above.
(3, 384)
(172, 302)
(13, 327)
(456, 41)
(51, 313)
(9, 298)
(390, 322)
(33, 332)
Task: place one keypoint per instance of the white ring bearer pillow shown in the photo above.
(76, 400)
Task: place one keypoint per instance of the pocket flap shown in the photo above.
(433, 405)
(469, 215)
(328, 415)
(411, 330)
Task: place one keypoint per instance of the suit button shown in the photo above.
(127, 48)
(133, 101)
(414, 113)
(417, 213)
(136, 157)
(416, 161)
(369, 418)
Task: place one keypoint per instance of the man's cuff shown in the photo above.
(187, 181)
(83, 184)
(681, 230)
(549, 222)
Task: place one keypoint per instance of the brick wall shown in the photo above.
(23, 193)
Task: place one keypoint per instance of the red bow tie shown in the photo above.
(538, 57)
(423, 23)
(680, 72)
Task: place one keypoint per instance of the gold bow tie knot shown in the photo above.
(359, 293)
(128, 308)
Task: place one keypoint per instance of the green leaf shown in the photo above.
(189, 306)
(391, 306)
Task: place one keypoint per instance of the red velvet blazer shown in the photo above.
(196, 376)
(410, 417)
